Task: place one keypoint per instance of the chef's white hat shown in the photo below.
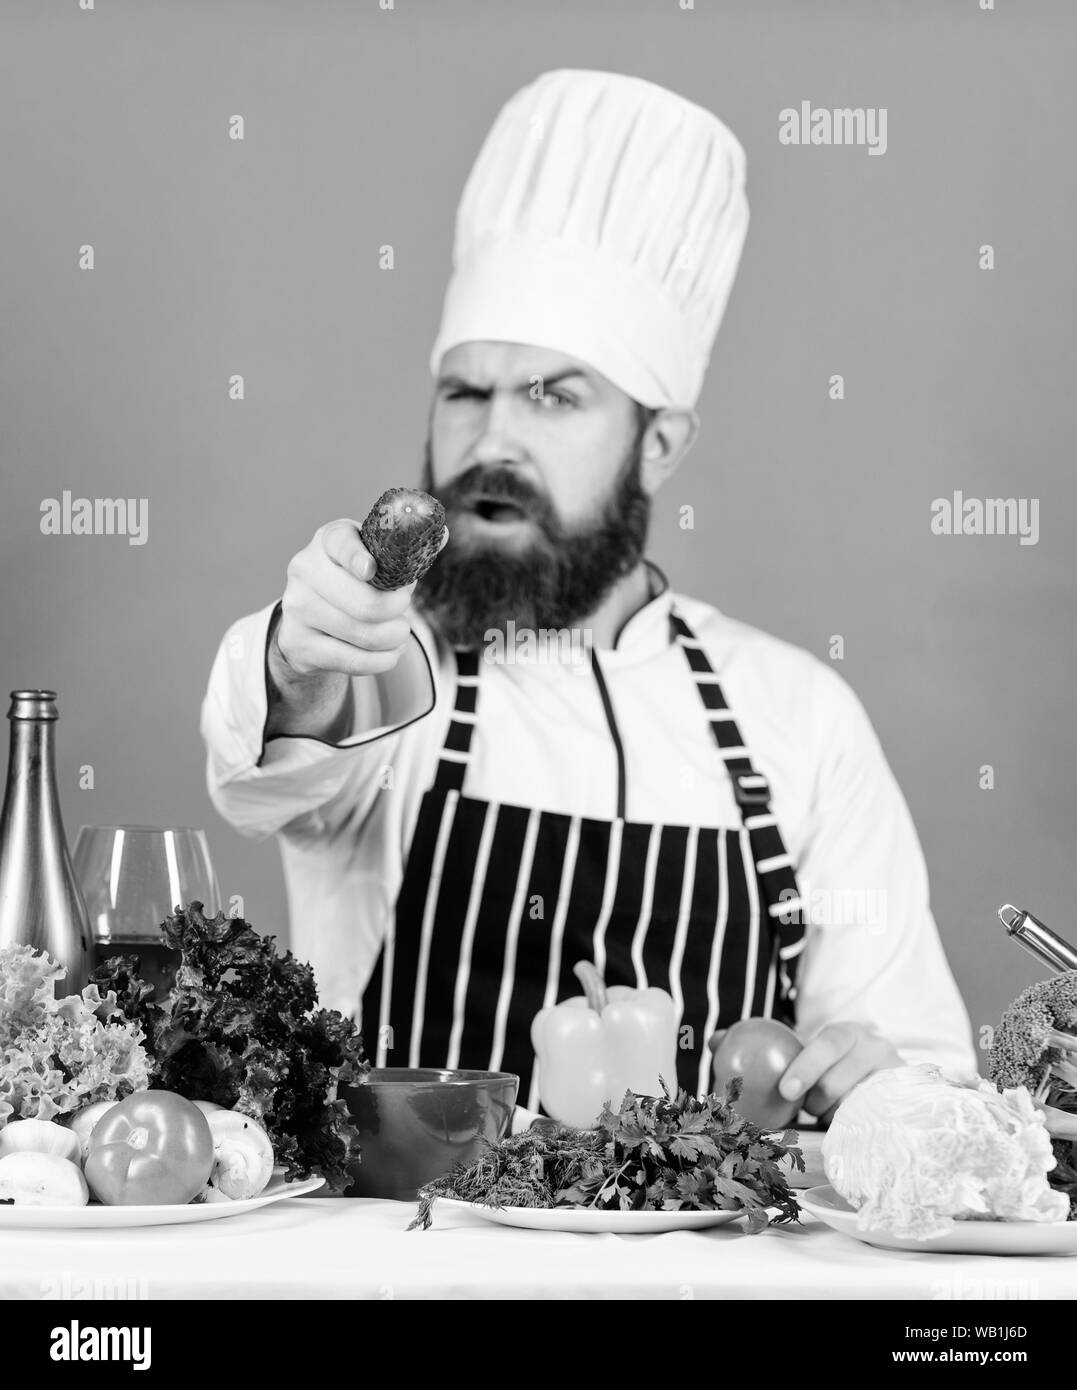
(604, 218)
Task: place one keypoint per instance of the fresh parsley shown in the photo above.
(655, 1153)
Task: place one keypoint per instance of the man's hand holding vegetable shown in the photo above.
(820, 1073)
(344, 611)
(593, 1048)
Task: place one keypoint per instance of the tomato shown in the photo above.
(759, 1050)
(154, 1147)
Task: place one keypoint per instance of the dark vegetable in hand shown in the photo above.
(656, 1153)
(240, 1027)
(403, 533)
(759, 1050)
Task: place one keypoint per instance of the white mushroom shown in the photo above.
(41, 1137)
(244, 1154)
(42, 1180)
(210, 1194)
(83, 1123)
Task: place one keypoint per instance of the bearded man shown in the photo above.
(459, 828)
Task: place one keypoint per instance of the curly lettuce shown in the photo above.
(27, 980)
(57, 1055)
(241, 1027)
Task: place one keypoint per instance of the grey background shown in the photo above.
(260, 257)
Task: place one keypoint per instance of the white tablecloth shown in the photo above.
(327, 1248)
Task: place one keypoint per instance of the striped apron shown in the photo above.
(498, 902)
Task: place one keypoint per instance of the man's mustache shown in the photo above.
(495, 484)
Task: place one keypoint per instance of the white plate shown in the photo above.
(587, 1219)
(966, 1237)
(100, 1217)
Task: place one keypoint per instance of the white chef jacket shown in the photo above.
(343, 814)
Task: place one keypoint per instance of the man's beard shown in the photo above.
(554, 581)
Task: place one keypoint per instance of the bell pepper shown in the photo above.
(594, 1048)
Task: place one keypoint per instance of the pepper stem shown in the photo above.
(594, 987)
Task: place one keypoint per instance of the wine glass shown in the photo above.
(134, 876)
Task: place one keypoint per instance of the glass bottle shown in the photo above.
(40, 902)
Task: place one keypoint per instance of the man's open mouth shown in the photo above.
(497, 509)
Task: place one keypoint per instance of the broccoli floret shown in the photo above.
(1027, 1051)
(1019, 1053)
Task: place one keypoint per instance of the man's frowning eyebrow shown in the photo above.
(453, 382)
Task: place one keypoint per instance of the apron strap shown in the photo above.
(773, 864)
(452, 764)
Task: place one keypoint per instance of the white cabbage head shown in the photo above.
(914, 1151)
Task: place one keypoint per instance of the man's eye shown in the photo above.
(461, 393)
(554, 400)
